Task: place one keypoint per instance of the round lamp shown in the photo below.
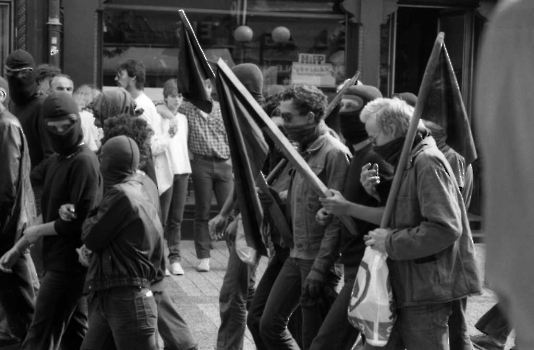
(243, 34)
(281, 35)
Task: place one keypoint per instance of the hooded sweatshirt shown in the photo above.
(26, 102)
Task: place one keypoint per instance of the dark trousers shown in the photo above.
(235, 297)
(173, 220)
(17, 295)
(209, 174)
(261, 295)
(172, 327)
(458, 332)
(60, 313)
(336, 331)
(285, 296)
(495, 324)
(126, 316)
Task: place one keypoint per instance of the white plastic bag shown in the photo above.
(371, 307)
(244, 252)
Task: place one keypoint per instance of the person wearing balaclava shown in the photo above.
(17, 211)
(127, 227)
(26, 103)
(239, 281)
(307, 276)
(70, 175)
(336, 331)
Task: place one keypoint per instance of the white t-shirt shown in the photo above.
(178, 146)
(90, 132)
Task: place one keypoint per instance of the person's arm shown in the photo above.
(440, 214)
(113, 213)
(10, 153)
(338, 205)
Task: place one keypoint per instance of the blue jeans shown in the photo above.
(420, 328)
(171, 326)
(125, 315)
(458, 332)
(336, 331)
(209, 174)
(17, 295)
(286, 294)
(261, 295)
(60, 313)
(173, 220)
(495, 323)
(236, 294)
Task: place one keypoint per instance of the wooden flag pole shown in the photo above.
(340, 93)
(283, 143)
(194, 41)
(410, 136)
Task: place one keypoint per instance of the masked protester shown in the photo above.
(336, 332)
(26, 103)
(126, 227)
(307, 276)
(71, 175)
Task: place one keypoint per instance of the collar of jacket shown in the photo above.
(425, 144)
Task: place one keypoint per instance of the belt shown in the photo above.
(215, 159)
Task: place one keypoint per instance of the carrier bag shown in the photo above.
(371, 307)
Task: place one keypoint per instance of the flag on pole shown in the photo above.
(193, 68)
(445, 107)
(232, 93)
(248, 150)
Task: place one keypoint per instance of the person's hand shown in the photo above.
(9, 259)
(67, 212)
(376, 239)
(231, 231)
(369, 179)
(216, 227)
(266, 199)
(173, 128)
(84, 255)
(335, 204)
(322, 217)
(314, 284)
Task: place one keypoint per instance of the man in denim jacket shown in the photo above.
(429, 243)
(307, 275)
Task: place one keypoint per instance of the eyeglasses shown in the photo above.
(284, 115)
(373, 138)
(21, 72)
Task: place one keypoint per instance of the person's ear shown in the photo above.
(310, 117)
(392, 130)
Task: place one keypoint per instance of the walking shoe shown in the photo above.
(176, 268)
(485, 342)
(204, 265)
(167, 273)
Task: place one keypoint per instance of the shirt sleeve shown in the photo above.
(10, 153)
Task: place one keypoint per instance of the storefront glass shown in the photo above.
(293, 42)
(6, 35)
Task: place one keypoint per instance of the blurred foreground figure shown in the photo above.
(504, 106)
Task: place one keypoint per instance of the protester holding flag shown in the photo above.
(429, 243)
(336, 332)
(307, 276)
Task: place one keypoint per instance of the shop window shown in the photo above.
(6, 30)
(308, 47)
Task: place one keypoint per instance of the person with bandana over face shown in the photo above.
(127, 230)
(336, 332)
(71, 175)
(307, 276)
(17, 211)
(428, 241)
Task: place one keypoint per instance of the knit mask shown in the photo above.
(21, 86)
(251, 77)
(352, 103)
(119, 158)
(60, 108)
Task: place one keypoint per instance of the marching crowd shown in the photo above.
(94, 183)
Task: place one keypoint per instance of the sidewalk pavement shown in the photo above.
(196, 295)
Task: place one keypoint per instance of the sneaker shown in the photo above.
(485, 342)
(176, 268)
(204, 265)
(167, 273)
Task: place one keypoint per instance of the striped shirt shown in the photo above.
(207, 135)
